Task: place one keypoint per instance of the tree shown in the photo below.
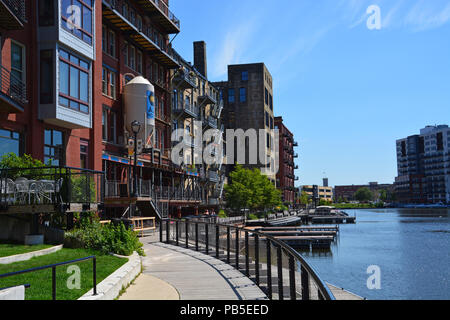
(304, 198)
(383, 195)
(364, 195)
(249, 189)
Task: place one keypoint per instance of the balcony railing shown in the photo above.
(184, 80)
(12, 89)
(211, 122)
(213, 176)
(12, 14)
(186, 108)
(207, 98)
(166, 11)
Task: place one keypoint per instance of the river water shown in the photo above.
(411, 247)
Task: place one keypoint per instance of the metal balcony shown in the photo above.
(295, 144)
(163, 55)
(206, 99)
(210, 122)
(13, 94)
(159, 11)
(12, 14)
(213, 176)
(186, 110)
(184, 80)
(296, 155)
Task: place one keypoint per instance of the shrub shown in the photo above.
(252, 217)
(106, 239)
(222, 214)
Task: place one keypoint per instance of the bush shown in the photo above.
(106, 239)
(222, 214)
(252, 217)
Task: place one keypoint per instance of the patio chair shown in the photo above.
(34, 188)
(22, 189)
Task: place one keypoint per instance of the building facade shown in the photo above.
(65, 67)
(322, 193)
(423, 164)
(286, 175)
(347, 193)
(248, 104)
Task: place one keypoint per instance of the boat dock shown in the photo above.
(331, 219)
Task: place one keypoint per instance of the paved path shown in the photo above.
(196, 276)
(146, 287)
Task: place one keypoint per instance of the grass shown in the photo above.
(7, 249)
(41, 281)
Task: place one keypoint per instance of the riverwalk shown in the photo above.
(177, 273)
(193, 275)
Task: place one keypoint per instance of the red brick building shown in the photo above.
(62, 81)
(286, 176)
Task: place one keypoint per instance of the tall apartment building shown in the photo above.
(248, 104)
(423, 164)
(62, 98)
(286, 176)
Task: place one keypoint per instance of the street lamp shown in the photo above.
(135, 127)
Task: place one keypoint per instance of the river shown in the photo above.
(411, 247)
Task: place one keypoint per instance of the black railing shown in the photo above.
(18, 8)
(12, 87)
(165, 9)
(51, 185)
(53, 267)
(280, 271)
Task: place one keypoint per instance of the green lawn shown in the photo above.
(12, 249)
(41, 281)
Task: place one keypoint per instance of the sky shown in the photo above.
(346, 91)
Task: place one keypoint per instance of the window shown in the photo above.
(112, 126)
(54, 147)
(242, 95)
(125, 10)
(244, 76)
(139, 22)
(105, 124)
(267, 119)
(46, 13)
(139, 61)
(266, 96)
(17, 63)
(125, 53)
(109, 83)
(46, 76)
(231, 98)
(84, 30)
(112, 44)
(73, 82)
(104, 39)
(84, 150)
(10, 142)
(270, 102)
(132, 63)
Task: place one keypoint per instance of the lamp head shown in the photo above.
(136, 126)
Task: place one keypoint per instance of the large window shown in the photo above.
(84, 154)
(46, 76)
(46, 13)
(109, 83)
(73, 82)
(244, 76)
(105, 124)
(109, 41)
(54, 147)
(69, 11)
(10, 142)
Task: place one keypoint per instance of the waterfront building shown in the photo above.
(286, 176)
(347, 192)
(322, 192)
(64, 98)
(248, 104)
(423, 163)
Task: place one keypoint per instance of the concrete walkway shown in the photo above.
(193, 275)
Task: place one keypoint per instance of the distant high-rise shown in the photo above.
(325, 182)
(423, 166)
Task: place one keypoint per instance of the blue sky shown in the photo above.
(346, 92)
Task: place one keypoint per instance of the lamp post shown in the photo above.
(136, 127)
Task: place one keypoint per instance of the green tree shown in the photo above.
(364, 195)
(249, 189)
(304, 198)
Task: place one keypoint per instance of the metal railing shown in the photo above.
(165, 9)
(53, 267)
(188, 107)
(280, 271)
(18, 8)
(50, 185)
(12, 87)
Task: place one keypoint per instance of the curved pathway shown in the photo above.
(194, 275)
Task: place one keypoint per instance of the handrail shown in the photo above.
(53, 267)
(306, 270)
(18, 8)
(12, 86)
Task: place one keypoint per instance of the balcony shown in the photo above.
(12, 14)
(296, 155)
(186, 110)
(184, 80)
(296, 167)
(163, 55)
(210, 122)
(13, 94)
(213, 176)
(159, 11)
(295, 144)
(206, 99)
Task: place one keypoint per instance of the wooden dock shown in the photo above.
(332, 219)
(300, 233)
(305, 228)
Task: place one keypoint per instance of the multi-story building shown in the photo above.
(248, 104)
(423, 163)
(66, 67)
(196, 108)
(347, 192)
(322, 193)
(286, 176)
